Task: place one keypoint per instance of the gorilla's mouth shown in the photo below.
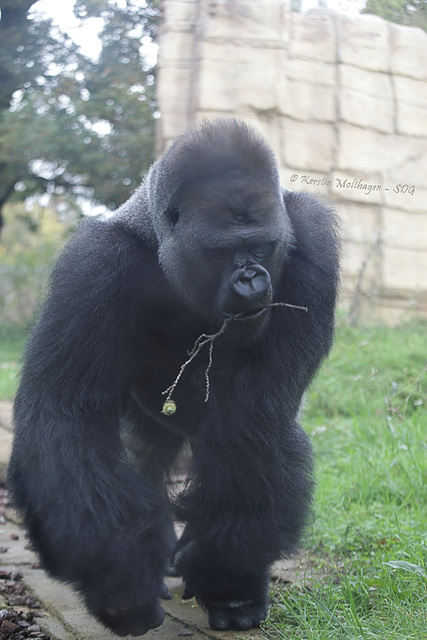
(248, 315)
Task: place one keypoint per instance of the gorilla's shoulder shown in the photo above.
(104, 238)
(103, 252)
(316, 228)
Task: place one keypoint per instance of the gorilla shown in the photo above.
(210, 240)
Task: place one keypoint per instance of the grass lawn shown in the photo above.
(367, 545)
(12, 342)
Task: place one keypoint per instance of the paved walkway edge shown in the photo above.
(64, 615)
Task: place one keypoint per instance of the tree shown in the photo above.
(26, 50)
(296, 5)
(68, 124)
(413, 12)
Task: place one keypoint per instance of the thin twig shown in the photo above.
(205, 338)
(198, 345)
(208, 382)
(282, 304)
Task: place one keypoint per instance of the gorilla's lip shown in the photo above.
(249, 315)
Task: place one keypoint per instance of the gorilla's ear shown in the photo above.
(286, 196)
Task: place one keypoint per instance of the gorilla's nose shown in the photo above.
(252, 286)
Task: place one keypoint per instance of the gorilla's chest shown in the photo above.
(163, 365)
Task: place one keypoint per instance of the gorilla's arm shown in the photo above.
(260, 499)
(96, 522)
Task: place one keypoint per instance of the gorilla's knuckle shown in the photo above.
(235, 615)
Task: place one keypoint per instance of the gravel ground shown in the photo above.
(19, 610)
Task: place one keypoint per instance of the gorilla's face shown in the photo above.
(224, 246)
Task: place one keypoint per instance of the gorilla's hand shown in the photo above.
(247, 609)
(233, 614)
(236, 615)
(135, 621)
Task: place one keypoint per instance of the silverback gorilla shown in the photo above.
(210, 234)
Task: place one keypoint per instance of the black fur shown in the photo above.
(211, 232)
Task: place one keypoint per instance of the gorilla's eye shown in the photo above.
(173, 217)
(263, 252)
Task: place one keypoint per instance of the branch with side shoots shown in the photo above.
(169, 406)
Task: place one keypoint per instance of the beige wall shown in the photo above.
(342, 101)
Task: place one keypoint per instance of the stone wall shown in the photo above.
(342, 101)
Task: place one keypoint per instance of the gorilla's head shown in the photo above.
(221, 225)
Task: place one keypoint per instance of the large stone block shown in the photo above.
(324, 73)
(393, 308)
(408, 164)
(411, 120)
(251, 81)
(178, 14)
(366, 98)
(353, 187)
(408, 51)
(404, 269)
(175, 47)
(406, 197)
(312, 37)
(366, 110)
(363, 41)
(364, 151)
(260, 20)
(237, 52)
(366, 82)
(174, 89)
(405, 231)
(360, 224)
(308, 101)
(411, 91)
(360, 260)
(308, 146)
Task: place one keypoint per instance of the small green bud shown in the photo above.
(169, 408)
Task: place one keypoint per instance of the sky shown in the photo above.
(61, 11)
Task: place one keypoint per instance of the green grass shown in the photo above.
(12, 340)
(367, 545)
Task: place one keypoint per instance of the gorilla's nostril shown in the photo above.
(249, 274)
(252, 285)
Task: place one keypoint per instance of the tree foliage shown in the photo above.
(69, 124)
(413, 12)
